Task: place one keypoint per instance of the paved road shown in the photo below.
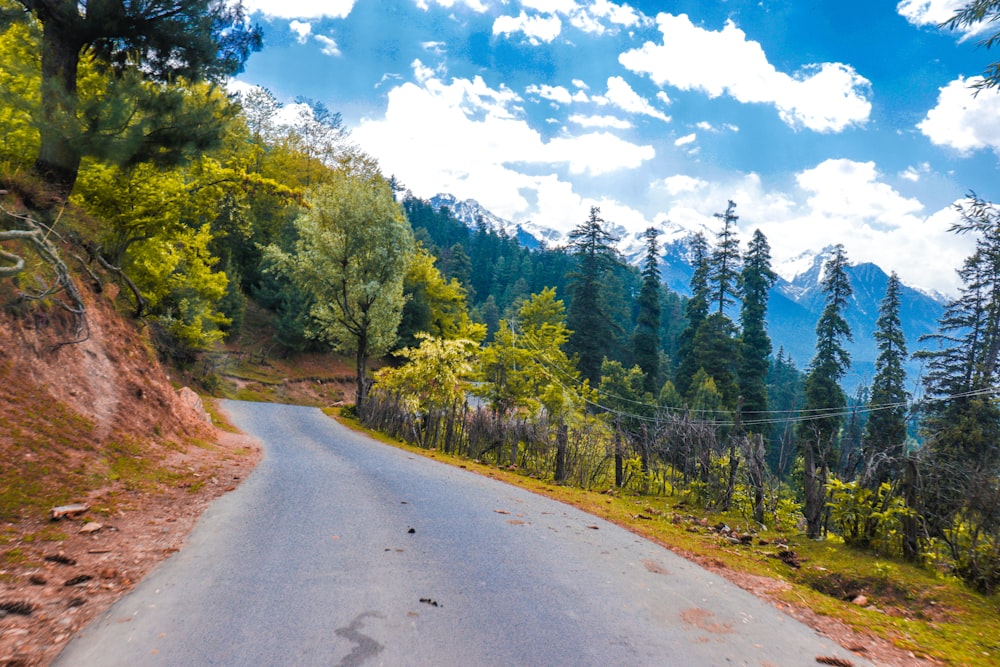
(340, 551)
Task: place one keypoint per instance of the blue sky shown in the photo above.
(849, 122)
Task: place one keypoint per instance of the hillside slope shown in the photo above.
(95, 422)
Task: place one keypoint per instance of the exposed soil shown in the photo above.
(97, 423)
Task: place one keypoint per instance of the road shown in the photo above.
(341, 551)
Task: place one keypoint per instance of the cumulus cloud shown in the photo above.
(301, 29)
(536, 29)
(826, 97)
(621, 95)
(301, 9)
(465, 137)
(600, 121)
(686, 139)
(551, 6)
(915, 173)
(558, 94)
(474, 5)
(933, 13)
(679, 183)
(330, 47)
(962, 121)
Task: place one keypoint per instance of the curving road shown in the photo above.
(341, 551)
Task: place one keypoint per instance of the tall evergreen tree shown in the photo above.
(695, 311)
(646, 341)
(756, 280)
(588, 316)
(962, 425)
(161, 42)
(725, 264)
(825, 400)
(885, 432)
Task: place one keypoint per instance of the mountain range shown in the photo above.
(796, 300)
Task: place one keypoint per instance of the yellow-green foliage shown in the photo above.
(19, 92)
(432, 377)
(868, 518)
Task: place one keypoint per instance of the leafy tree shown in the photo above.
(962, 421)
(588, 315)
(971, 15)
(756, 280)
(144, 49)
(434, 305)
(717, 352)
(432, 379)
(825, 400)
(885, 432)
(724, 271)
(695, 310)
(354, 245)
(622, 391)
(784, 397)
(525, 366)
(646, 340)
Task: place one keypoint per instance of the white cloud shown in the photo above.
(680, 183)
(474, 5)
(600, 121)
(580, 84)
(330, 47)
(536, 28)
(551, 6)
(301, 29)
(686, 139)
(935, 12)
(827, 97)
(557, 94)
(437, 48)
(301, 9)
(619, 14)
(621, 95)
(915, 173)
(467, 138)
(962, 121)
(663, 97)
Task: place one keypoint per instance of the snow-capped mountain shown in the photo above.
(470, 212)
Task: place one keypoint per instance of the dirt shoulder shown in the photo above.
(68, 576)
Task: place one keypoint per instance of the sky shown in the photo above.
(848, 122)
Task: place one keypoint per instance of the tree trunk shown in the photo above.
(361, 368)
(58, 161)
(619, 463)
(756, 467)
(813, 493)
(911, 551)
(562, 439)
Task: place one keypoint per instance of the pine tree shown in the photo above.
(695, 310)
(756, 280)
(825, 400)
(588, 316)
(885, 432)
(191, 40)
(646, 341)
(725, 263)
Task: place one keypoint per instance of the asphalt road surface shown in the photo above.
(341, 551)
